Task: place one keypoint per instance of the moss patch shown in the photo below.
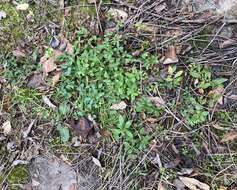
(19, 175)
(12, 27)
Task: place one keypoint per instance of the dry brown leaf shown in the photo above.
(171, 56)
(179, 185)
(7, 127)
(83, 128)
(36, 81)
(222, 188)
(105, 133)
(157, 101)
(22, 6)
(56, 77)
(119, 106)
(151, 120)
(201, 91)
(227, 43)
(161, 186)
(17, 53)
(118, 14)
(231, 136)
(48, 64)
(48, 102)
(148, 27)
(69, 48)
(218, 92)
(232, 97)
(194, 184)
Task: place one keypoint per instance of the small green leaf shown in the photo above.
(171, 70)
(64, 133)
(64, 108)
(129, 134)
(178, 74)
(219, 81)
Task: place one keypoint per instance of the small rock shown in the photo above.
(54, 42)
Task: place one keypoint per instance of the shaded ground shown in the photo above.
(152, 107)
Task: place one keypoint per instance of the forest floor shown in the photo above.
(117, 95)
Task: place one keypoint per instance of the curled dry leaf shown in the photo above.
(56, 77)
(83, 128)
(161, 186)
(36, 81)
(17, 53)
(48, 102)
(151, 120)
(119, 106)
(232, 97)
(22, 6)
(7, 127)
(65, 45)
(157, 101)
(49, 63)
(118, 14)
(231, 136)
(105, 133)
(227, 43)
(178, 184)
(218, 92)
(171, 56)
(194, 184)
(69, 49)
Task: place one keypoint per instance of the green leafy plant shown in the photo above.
(99, 74)
(134, 140)
(193, 109)
(146, 106)
(203, 78)
(174, 77)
